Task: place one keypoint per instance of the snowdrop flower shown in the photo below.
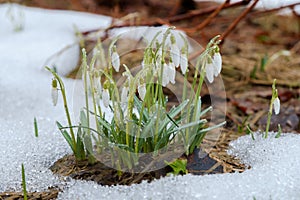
(210, 72)
(175, 54)
(142, 90)
(54, 92)
(105, 97)
(217, 61)
(276, 104)
(97, 83)
(183, 61)
(165, 75)
(172, 72)
(124, 94)
(115, 60)
(213, 67)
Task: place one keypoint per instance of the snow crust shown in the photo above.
(25, 94)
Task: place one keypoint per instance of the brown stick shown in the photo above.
(200, 12)
(159, 22)
(237, 20)
(208, 19)
(258, 13)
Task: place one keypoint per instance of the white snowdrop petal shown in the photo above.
(97, 84)
(276, 104)
(217, 60)
(175, 55)
(115, 61)
(165, 75)
(172, 73)
(105, 97)
(183, 63)
(98, 98)
(124, 94)
(142, 91)
(210, 72)
(54, 95)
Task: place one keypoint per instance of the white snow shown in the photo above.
(25, 93)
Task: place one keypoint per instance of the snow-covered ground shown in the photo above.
(25, 94)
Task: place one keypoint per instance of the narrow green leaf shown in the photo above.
(83, 119)
(36, 131)
(24, 183)
(103, 122)
(66, 136)
(80, 153)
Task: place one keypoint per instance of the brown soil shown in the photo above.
(105, 175)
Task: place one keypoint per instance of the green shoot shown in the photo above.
(274, 102)
(36, 131)
(279, 131)
(178, 166)
(24, 183)
(249, 131)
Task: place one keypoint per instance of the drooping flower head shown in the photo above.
(105, 94)
(175, 52)
(54, 92)
(276, 105)
(213, 65)
(184, 60)
(115, 59)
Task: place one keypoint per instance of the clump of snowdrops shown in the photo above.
(141, 122)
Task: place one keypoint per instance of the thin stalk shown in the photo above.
(86, 87)
(63, 92)
(269, 118)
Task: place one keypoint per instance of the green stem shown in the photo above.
(63, 92)
(269, 119)
(24, 183)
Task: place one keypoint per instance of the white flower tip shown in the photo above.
(105, 97)
(175, 54)
(210, 72)
(217, 60)
(142, 91)
(276, 104)
(165, 76)
(124, 94)
(115, 61)
(183, 64)
(54, 96)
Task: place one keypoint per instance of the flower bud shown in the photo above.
(54, 92)
(217, 61)
(175, 55)
(115, 60)
(165, 75)
(183, 61)
(276, 105)
(172, 72)
(105, 97)
(124, 94)
(210, 72)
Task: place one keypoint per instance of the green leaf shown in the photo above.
(80, 153)
(36, 131)
(178, 166)
(139, 106)
(83, 119)
(103, 122)
(66, 136)
(24, 183)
